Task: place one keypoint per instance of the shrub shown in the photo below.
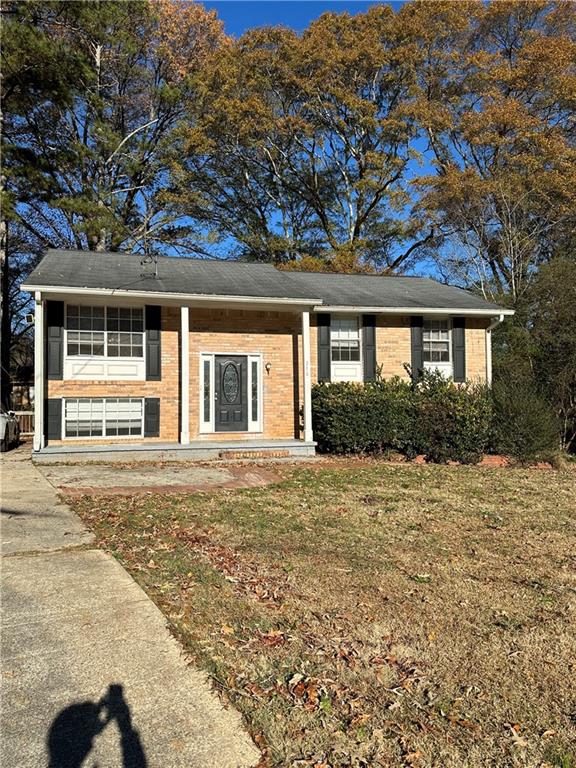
(454, 423)
(363, 418)
(434, 417)
(525, 425)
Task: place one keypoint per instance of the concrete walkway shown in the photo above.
(90, 674)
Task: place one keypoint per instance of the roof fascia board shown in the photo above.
(176, 298)
(414, 310)
(214, 299)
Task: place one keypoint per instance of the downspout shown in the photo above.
(494, 324)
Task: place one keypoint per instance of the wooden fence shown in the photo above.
(26, 422)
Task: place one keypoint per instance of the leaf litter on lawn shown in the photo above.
(439, 634)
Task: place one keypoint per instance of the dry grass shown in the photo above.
(365, 614)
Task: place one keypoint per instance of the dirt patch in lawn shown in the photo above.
(87, 479)
(369, 614)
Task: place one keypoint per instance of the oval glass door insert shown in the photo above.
(230, 383)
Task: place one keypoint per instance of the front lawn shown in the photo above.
(368, 614)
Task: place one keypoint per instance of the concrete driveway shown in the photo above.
(90, 674)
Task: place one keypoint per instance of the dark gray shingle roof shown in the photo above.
(123, 272)
(396, 292)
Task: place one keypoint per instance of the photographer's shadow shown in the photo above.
(71, 736)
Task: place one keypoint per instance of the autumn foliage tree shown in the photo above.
(91, 93)
(497, 106)
(301, 145)
(85, 171)
(440, 130)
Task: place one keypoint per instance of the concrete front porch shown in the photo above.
(199, 450)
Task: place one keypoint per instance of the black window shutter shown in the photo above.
(54, 339)
(153, 343)
(369, 344)
(323, 320)
(459, 348)
(53, 418)
(152, 417)
(416, 333)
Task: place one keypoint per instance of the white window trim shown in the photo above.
(358, 319)
(446, 368)
(105, 356)
(355, 366)
(82, 362)
(103, 436)
(208, 427)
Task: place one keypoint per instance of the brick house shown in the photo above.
(212, 356)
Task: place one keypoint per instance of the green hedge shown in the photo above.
(525, 424)
(433, 417)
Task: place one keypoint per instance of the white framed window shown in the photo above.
(85, 330)
(103, 417)
(83, 417)
(104, 331)
(437, 345)
(436, 341)
(345, 348)
(125, 332)
(254, 390)
(345, 339)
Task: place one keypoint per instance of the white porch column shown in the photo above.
(39, 441)
(184, 375)
(307, 382)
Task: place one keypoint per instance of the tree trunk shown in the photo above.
(5, 325)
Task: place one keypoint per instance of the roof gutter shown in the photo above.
(415, 310)
(202, 298)
(163, 295)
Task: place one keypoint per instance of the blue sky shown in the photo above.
(240, 15)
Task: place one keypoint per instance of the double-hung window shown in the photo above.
(125, 330)
(103, 417)
(85, 330)
(104, 331)
(345, 339)
(436, 341)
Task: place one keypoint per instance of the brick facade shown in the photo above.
(393, 346)
(476, 348)
(274, 335)
(167, 389)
